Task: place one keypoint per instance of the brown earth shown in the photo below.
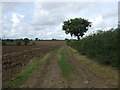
(14, 58)
(15, 49)
(49, 76)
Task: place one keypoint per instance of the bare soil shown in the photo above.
(9, 49)
(14, 58)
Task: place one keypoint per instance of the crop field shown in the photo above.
(14, 58)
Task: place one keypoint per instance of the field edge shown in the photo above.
(22, 77)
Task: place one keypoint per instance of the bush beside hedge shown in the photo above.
(102, 46)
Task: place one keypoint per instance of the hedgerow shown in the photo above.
(102, 46)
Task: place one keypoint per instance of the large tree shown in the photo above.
(76, 27)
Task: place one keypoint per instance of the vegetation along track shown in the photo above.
(62, 70)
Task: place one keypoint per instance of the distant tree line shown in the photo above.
(24, 41)
(18, 42)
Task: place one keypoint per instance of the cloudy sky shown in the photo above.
(44, 19)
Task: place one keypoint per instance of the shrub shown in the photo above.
(18, 42)
(3, 42)
(26, 41)
(103, 46)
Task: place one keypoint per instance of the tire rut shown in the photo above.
(82, 77)
(48, 76)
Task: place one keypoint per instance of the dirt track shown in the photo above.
(50, 76)
(83, 78)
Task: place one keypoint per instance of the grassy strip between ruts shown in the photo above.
(106, 73)
(23, 76)
(64, 64)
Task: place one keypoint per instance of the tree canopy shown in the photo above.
(76, 27)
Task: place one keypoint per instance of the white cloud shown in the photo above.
(46, 21)
(0, 19)
(97, 21)
(47, 14)
(16, 19)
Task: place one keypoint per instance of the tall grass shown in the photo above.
(102, 46)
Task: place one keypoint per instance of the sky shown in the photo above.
(44, 20)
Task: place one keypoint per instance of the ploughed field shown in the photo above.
(14, 58)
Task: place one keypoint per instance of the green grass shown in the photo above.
(88, 63)
(64, 65)
(23, 76)
(100, 70)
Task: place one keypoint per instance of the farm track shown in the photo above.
(50, 76)
(82, 77)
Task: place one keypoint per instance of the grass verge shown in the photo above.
(64, 65)
(105, 73)
(23, 76)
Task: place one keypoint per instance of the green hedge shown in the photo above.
(102, 46)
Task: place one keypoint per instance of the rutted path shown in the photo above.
(50, 76)
(82, 77)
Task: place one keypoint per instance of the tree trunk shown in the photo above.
(78, 37)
